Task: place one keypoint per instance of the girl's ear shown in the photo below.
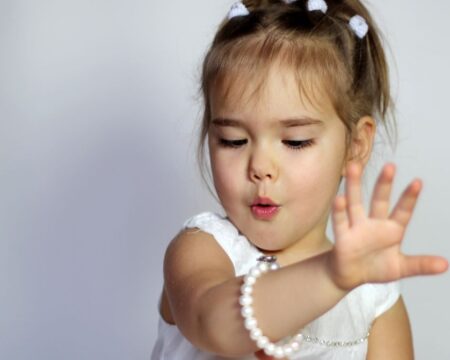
(361, 142)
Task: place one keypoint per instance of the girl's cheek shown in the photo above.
(228, 162)
(226, 176)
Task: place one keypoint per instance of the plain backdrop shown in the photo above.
(98, 115)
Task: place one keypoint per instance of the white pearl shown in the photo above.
(246, 289)
(295, 345)
(279, 352)
(287, 350)
(274, 266)
(255, 333)
(250, 323)
(263, 267)
(262, 341)
(269, 349)
(255, 272)
(246, 300)
(249, 280)
(247, 311)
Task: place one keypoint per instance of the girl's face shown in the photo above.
(277, 149)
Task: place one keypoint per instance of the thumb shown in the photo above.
(424, 265)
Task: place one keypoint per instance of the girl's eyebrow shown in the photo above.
(303, 121)
(226, 122)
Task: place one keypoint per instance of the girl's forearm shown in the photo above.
(284, 301)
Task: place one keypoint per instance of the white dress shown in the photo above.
(339, 334)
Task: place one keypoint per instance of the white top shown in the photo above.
(339, 334)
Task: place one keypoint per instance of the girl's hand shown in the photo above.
(368, 248)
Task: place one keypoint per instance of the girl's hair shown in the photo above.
(326, 56)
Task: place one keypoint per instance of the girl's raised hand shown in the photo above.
(368, 247)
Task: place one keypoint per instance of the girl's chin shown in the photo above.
(268, 247)
(270, 251)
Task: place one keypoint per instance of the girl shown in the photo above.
(293, 93)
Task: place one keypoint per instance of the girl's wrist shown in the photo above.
(343, 281)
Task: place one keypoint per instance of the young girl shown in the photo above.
(293, 93)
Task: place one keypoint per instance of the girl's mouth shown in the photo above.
(264, 208)
(265, 211)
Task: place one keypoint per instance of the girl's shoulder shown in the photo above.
(216, 236)
(212, 223)
(203, 245)
(194, 256)
(197, 241)
(194, 263)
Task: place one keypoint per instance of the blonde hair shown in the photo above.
(325, 55)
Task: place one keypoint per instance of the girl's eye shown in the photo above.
(298, 144)
(232, 143)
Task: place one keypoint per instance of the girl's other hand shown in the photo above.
(368, 247)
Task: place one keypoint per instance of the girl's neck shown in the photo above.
(301, 252)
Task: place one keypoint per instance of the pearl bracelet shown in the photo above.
(265, 264)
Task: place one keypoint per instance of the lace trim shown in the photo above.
(332, 343)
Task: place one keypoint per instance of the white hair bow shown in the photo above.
(314, 5)
(237, 9)
(359, 26)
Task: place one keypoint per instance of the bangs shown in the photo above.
(239, 70)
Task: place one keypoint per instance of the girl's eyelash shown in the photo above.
(293, 144)
(298, 144)
(232, 143)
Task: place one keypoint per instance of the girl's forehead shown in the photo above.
(279, 92)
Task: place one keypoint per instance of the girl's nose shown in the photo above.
(262, 167)
(260, 175)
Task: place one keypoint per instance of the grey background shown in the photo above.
(98, 111)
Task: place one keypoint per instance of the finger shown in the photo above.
(381, 196)
(404, 208)
(355, 207)
(423, 265)
(339, 215)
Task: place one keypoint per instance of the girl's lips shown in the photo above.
(265, 212)
(263, 201)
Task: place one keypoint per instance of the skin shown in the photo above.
(201, 290)
(302, 181)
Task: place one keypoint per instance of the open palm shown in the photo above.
(368, 247)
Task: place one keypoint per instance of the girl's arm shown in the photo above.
(390, 337)
(203, 294)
